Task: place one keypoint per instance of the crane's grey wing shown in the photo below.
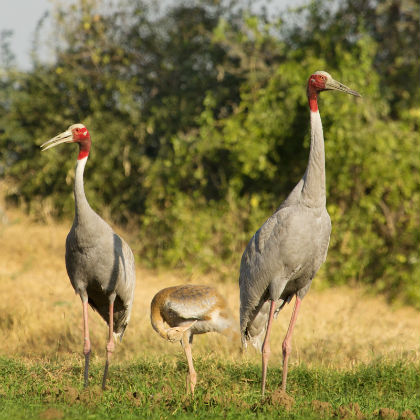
(112, 278)
(261, 264)
(73, 269)
(325, 238)
(273, 267)
(281, 260)
(124, 289)
(127, 274)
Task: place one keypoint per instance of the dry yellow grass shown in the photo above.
(40, 316)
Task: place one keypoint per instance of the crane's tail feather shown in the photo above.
(121, 319)
(118, 336)
(122, 316)
(255, 331)
(258, 340)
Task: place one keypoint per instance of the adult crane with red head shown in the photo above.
(283, 256)
(99, 262)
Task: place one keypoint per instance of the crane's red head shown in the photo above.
(319, 81)
(81, 135)
(76, 133)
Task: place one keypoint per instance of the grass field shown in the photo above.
(353, 356)
(151, 387)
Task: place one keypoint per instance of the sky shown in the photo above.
(22, 16)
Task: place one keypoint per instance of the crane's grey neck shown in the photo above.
(313, 191)
(82, 208)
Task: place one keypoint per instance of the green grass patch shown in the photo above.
(155, 388)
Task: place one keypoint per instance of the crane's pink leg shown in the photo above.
(287, 346)
(110, 347)
(266, 346)
(86, 345)
(192, 374)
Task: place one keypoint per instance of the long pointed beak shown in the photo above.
(334, 85)
(64, 137)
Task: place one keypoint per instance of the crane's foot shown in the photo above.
(285, 370)
(265, 356)
(86, 373)
(266, 350)
(109, 350)
(191, 382)
(105, 375)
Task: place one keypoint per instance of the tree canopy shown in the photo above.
(200, 127)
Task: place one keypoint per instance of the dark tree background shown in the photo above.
(200, 127)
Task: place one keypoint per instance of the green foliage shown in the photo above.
(154, 388)
(200, 129)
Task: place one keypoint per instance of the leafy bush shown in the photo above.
(200, 129)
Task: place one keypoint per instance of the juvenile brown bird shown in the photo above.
(179, 312)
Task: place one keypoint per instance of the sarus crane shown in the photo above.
(179, 312)
(283, 256)
(99, 262)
